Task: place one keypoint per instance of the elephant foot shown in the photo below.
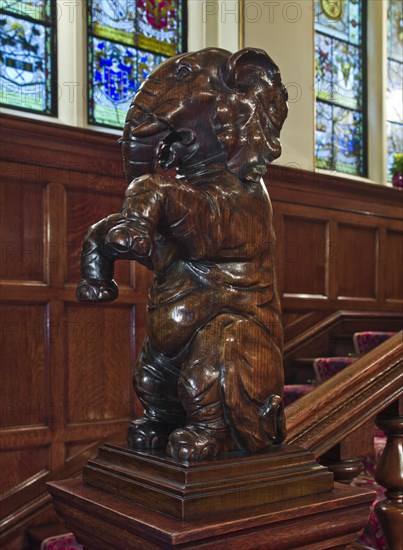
(145, 434)
(197, 443)
(92, 290)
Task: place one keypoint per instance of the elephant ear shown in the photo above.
(250, 115)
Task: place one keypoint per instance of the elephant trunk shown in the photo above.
(142, 136)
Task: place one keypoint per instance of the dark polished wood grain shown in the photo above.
(389, 474)
(60, 392)
(324, 416)
(203, 489)
(105, 521)
(53, 165)
(210, 373)
(345, 460)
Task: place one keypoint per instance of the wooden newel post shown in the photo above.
(206, 466)
(389, 474)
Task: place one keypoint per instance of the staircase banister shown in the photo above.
(325, 416)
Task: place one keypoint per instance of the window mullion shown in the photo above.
(72, 85)
(376, 74)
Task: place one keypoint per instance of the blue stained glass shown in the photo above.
(114, 81)
(127, 39)
(338, 139)
(26, 64)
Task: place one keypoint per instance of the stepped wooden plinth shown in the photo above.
(193, 490)
(280, 499)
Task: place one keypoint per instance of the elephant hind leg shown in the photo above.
(155, 380)
(206, 432)
(231, 390)
(254, 383)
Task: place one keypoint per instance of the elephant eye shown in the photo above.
(182, 72)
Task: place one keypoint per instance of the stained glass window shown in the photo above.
(126, 40)
(394, 115)
(339, 87)
(28, 55)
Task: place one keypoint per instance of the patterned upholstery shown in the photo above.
(326, 367)
(365, 341)
(61, 542)
(295, 391)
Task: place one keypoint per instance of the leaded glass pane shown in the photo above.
(324, 136)
(338, 139)
(348, 143)
(395, 30)
(113, 19)
(127, 39)
(339, 86)
(324, 67)
(35, 9)
(26, 64)
(338, 72)
(113, 83)
(347, 75)
(340, 18)
(158, 26)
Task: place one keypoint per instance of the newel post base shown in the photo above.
(279, 499)
(389, 474)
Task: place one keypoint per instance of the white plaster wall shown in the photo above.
(285, 30)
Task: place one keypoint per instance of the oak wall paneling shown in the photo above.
(65, 378)
(66, 367)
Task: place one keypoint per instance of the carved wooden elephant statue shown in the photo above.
(210, 374)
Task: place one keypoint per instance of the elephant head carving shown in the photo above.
(203, 105)
(210, 372)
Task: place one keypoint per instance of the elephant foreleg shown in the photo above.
(111, 239)
(97, 264)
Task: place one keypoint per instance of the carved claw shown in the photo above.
(144, 434)
(92, 290)
(196, 443)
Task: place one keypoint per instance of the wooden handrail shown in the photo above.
(316, 323)
(322, 418)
